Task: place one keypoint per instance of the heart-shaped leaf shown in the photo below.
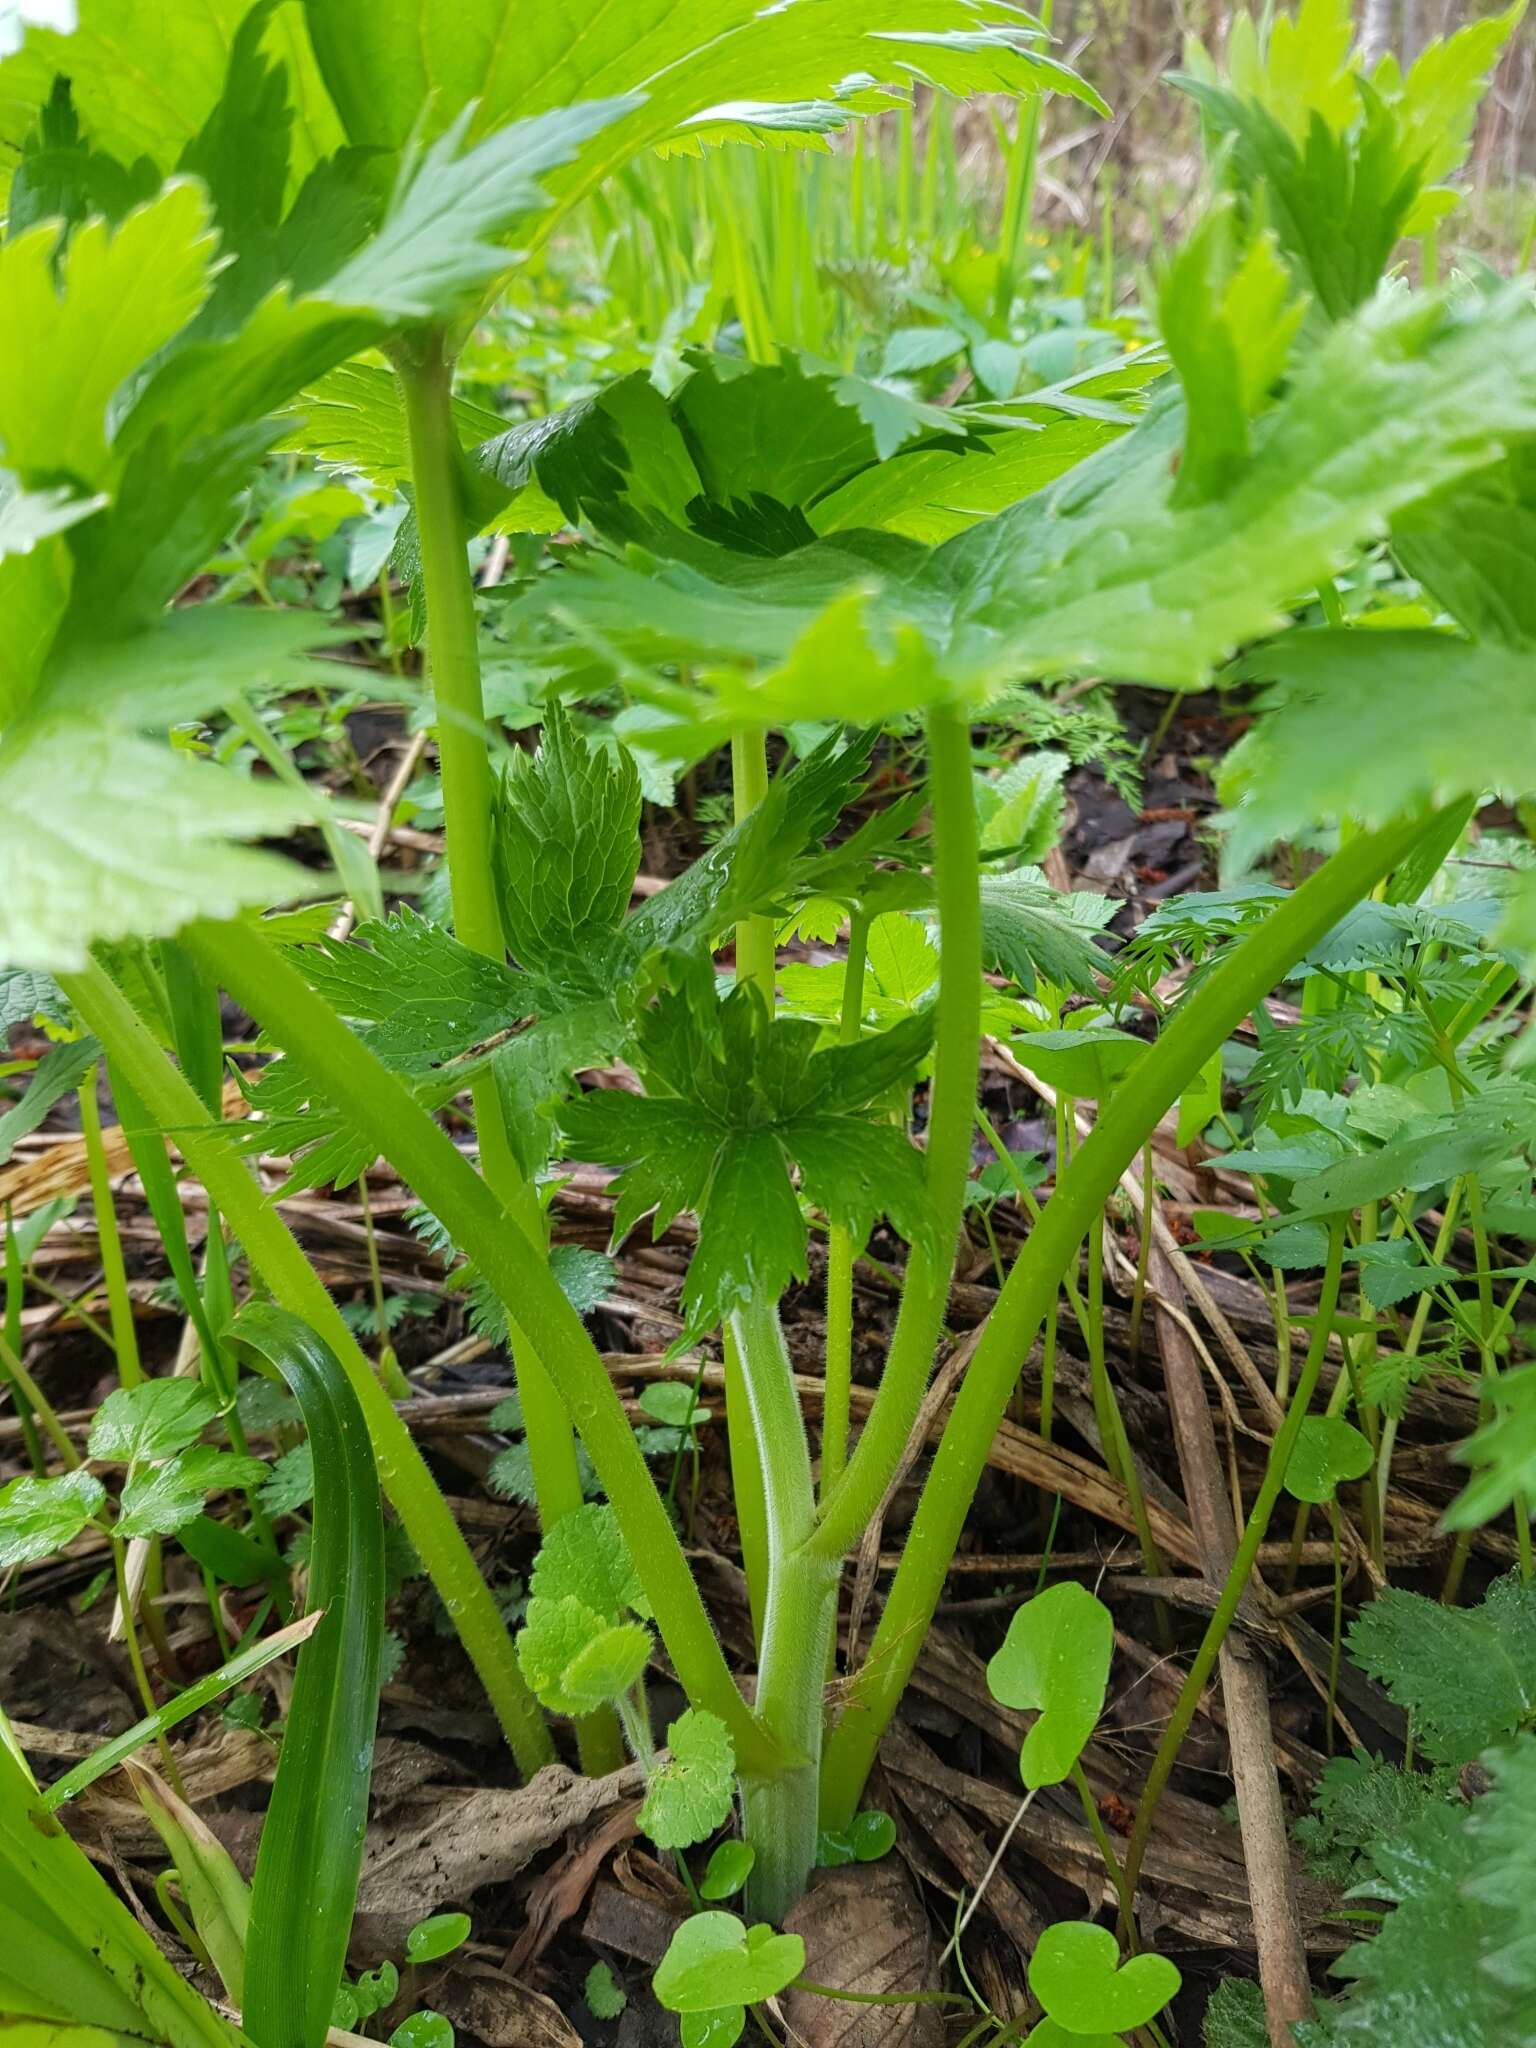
(721, 2027)
(1328, 1450)
(1077, 1975)
(713, 1960)
(1055, 1657)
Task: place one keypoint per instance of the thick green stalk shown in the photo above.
(275, 1255)
(779, 1811)
(125, 1338)
(453, 653)
(380, 1105)
(1201, 1026)
(1241, 1569)
(848, 1507)
(838, 1362)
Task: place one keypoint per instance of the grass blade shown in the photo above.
(312, 1843)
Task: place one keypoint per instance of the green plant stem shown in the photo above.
(10, 1329)
(838, 1364)
(1199, 1028)
(756, 963)
(381, 1105)
(275, 1255)
(146, 1691)
(453, 651)
(779, 1811)
(125, 1338)
(1254, 1531)
(849, 1506)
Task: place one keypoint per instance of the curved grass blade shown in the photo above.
(312, 1843)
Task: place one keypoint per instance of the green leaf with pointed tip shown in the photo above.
(689, 1795)
(1077, 1975)
(438, 1935)
(1055, 1658)
(139, 1425)
(714, 1960)
(1502, 1453)
(1328, 1450)
(163, 1499)
(1034, 933)
(39, 1516)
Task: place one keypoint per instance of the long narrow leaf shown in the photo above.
(312, 1842)
(245, 1665)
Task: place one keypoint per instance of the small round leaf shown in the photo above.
(728, 1870)
(424, 2029)
(1328, 1451)
(713, 1960)
(438, 1936)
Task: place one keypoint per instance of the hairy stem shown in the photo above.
(380, 1105)
(275, 1255)
(801, 1607)
(1200, 1027)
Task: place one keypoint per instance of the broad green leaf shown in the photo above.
(1087, 1062)
(1033, 933)
(426, 997)
(427, 58)
(1047, 2034)
(1368, 725)
(1327, 1451)
(163, 1499)
(1467, 1675)
(1077, 1975)
(70, 341)
(74, 794)
(1468, 544)
(582, 1557)
(433, 248)
(867, 1837)
(1228, 321)
(142, 1424)
(39, 1516)
(424, 2029)
(1055, 1658)
(1235, 2017)
(354, 418)
(145, 82)
(689, 1795)
(714, 1960)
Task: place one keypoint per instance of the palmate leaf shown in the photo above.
(733, 1101)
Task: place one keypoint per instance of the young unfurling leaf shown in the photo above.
(574, 1660)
